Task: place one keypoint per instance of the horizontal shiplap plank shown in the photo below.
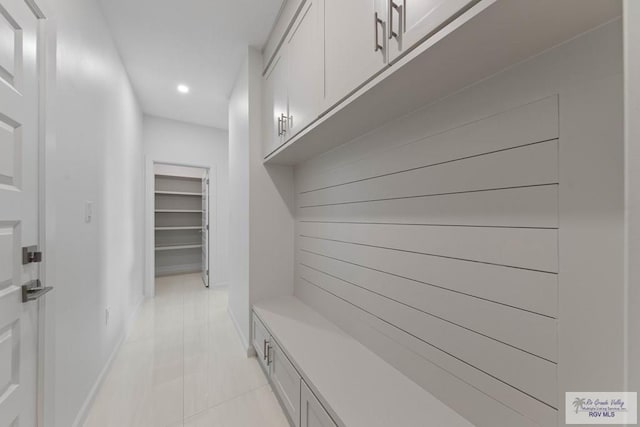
(524, 166)
(523, 371)
(534, 122)
(530, 332)
(515, 207)
(525, 289)
(535, 249)
(464, 388)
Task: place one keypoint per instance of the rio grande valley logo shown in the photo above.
(601, 408)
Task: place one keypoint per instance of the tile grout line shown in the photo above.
(208, 408)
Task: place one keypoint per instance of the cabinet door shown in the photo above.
(352, 53)
(274, 104)
(304, 59)
(412, 21)
(312, 414)
(286, 382)
(261, 339)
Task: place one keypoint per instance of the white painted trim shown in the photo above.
(47, 35)
(220, 285)
(149, 227)
(83, 413)
(245, 342)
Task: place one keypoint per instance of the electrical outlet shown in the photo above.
(88, 212)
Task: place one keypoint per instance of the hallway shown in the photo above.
(182, 364)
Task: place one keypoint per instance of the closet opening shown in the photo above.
(181, 205)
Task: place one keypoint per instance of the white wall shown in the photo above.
(632, 157)
(170, 141)
(99, 159)
(262, 252)
(239, 204)
(583, 80)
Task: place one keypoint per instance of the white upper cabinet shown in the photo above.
(411, 21)
(304, 59)
(355, 37)
(275, 108)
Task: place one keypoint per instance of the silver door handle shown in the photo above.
(376, 22)
(398, 8)
(279, 126)
(264, 350)
(33, 290)
(283, 118)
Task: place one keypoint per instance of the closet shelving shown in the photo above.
(178, 224)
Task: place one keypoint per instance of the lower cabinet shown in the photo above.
(312, 414)
(299, 403)
(284, 378)
(286, 382)
(261, 341)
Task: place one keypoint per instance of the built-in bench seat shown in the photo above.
(323, 377)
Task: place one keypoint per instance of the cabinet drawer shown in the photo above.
(312, 414)
(261, 339)
(286, 382)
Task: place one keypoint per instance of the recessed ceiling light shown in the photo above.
(183, 88)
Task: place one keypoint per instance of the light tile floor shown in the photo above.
(183, 365)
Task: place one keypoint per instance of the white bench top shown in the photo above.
(357, 387)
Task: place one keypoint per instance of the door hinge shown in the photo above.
(31, 254)
(34, 290)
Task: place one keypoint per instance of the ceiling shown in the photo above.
(200, 43)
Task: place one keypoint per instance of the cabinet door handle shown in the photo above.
(283, 119)
(279, 126)
(377, 22)
(269, 360)
(264, 351)
(398, 8)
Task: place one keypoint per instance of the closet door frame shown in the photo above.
(149, 216)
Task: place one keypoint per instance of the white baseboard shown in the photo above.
(88, 403)
(170, 270)
(224, 284)
(243, 338)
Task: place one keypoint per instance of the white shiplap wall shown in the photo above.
(435, 239)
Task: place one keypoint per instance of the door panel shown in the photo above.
(275, 106)
(261, 339)
(350, 54)
(19, 85)
(286, 382)
(305, 82)
(413, 20)
(312, 414)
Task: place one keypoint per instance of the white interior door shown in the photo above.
(19, 98)
(205, 229)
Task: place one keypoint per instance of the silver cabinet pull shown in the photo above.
(377, 22)
(264, 351)
(279, 126)
(283, 118)
(398, 8)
